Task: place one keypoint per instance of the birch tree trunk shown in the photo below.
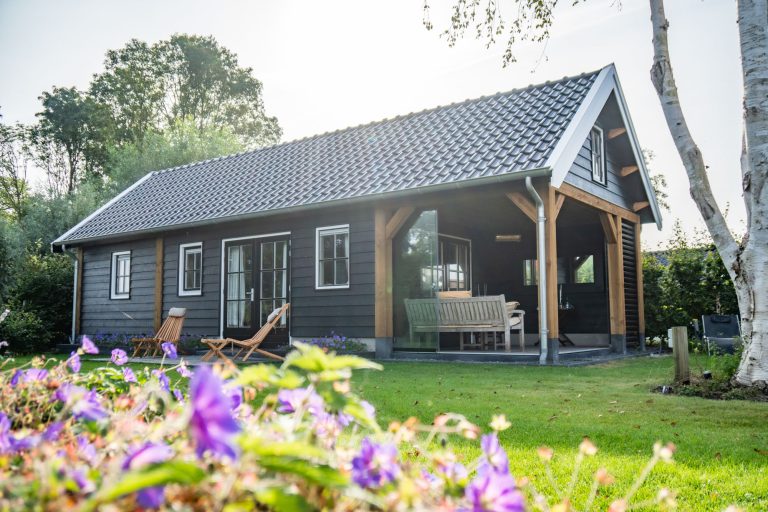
(747, 260)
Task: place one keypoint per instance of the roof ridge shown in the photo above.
(386, 120)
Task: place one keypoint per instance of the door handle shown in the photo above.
(249, 295)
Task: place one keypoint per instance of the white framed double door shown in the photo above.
(256, 272)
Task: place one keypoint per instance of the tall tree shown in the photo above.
(186, 77)
(79, 126)
(13, 172)
(745, 258)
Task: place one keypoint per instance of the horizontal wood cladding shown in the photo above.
(99, 313)
(617, 190)
(313, 313)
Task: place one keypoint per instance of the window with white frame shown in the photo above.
(598, 155)
(191, 269)
(121, 275)
(332, 257)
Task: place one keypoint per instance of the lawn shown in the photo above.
(722, 446)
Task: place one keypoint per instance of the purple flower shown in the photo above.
(88, 346)
(452, 471)
(19, 444)
(179, 395)
(65, 391)
(82, 482)
(375, 465)
(169, 349)
(494, 492)
(88, 407)
(369, 409)
(119, 357)
(290, 400)
(35, 374)
(74, 362)
(183, 370)
(85, 449)
(6, 440)
(128, 375)
(16, 376)
(211, 425)
(162, 379)
(495, 458)
(53, 431)
(235, 393)
(149, 453)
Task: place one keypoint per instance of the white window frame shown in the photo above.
(182, 269)
(332, 230)
(113, 293)
(601, 163)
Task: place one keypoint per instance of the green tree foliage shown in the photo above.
(186, 77)
(684, 282)
(14, 189)
(181, 144)
(43, 288)
(78, 128)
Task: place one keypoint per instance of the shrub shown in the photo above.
(338, 343)
(263, 438)
(24, 332)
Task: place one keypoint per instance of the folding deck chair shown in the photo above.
(720, 331)
(170, 331)
(249, 346)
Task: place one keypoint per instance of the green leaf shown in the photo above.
(277, 499)
(313, 359)
(293, 449)
(354, 409)
(318, 474)
(159, 474)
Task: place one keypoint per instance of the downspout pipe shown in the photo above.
(541, 251)
(65, 250)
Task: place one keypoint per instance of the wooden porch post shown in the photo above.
(386, 226)
(553, 321)
(640, 291)
(78, 292)
(615, 263)
(159, 262)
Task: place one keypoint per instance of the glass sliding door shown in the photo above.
(256, 282)
(415, 282)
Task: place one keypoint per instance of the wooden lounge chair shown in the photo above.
(170, 331)
(249, 346)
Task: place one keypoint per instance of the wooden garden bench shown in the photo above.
(464, 315)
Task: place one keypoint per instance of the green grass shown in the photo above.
(722, 446)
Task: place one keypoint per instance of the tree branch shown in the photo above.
(700, 189)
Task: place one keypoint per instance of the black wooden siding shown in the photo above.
(615, 189)
(313, 312)
(630, 283)
(102, 314)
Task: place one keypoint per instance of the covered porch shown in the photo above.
(481, 244)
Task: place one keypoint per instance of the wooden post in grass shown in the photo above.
(679, 337)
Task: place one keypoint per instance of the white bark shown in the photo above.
(747, 263)
(753, 35)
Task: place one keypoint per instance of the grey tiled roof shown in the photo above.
(490, 136)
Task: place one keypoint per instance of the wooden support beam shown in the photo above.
(78, 291)
(397, 220)
(559, 204)
(595, 202)
(159, 263)
(550, 205)
(381, 304)
(524, 204)
(608, 222)
(627, 170)
(616, 132)
(639, 205)
(640, 293)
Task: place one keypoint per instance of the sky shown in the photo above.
(330, 64)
